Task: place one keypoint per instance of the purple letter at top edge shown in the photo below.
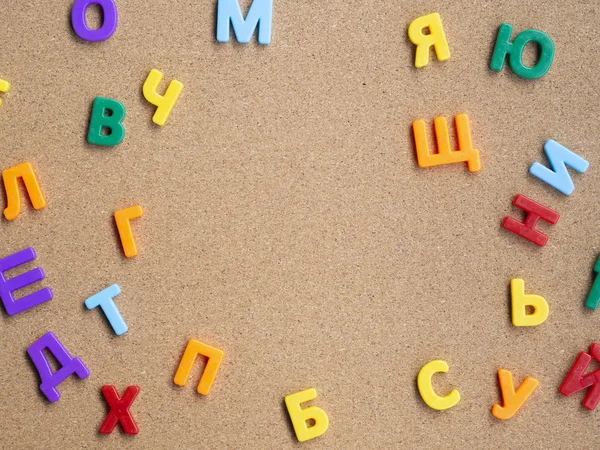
(79, 22)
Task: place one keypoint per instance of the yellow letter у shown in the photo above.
(164, 103)
(299, 416)
(426, 389)
(436, 37)
(11, 185)
(520, 301)
(512, 400)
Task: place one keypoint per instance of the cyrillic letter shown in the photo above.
(426, 389)
(515, 51)
(299, 416)
(13, 199)
(69, 365)
(100, 120)
(535, 212)
(164, 104)
(435, 38)
(104, 299)
(119, 409)
(8, 286)
(559, 158)
(520, 301)
(465, 153)
(4, 87)
(512, 400)
(576, 381)
(79, 22)
(193, 349)
(122, 218)
(593, 298)
(260, 15)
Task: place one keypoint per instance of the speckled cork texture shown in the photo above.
(286, 222)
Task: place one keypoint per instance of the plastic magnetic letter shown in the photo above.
(535, 212)
(576, 381)
(512, 401)
(593, 298)
(69, 365)
(465, 153)
(79, 22)
(104, 299)
(426, 389)
(259, 15)
(514, 51)
(4, 87)
(100, 120)
(520, 301)
(8, 286)
(122, 218)
(193, 349)
(559, 157)
(424, 42)
(11, 186)
(299, 416)
(119, 409)
(164, 103)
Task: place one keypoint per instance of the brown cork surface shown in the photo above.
(287, 223)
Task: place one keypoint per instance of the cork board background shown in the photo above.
(287, 223)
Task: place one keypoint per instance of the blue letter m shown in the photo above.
(260, 15)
